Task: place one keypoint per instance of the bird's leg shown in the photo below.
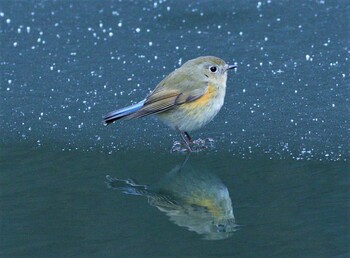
(188, 136)
(185, 138)
(186, 159)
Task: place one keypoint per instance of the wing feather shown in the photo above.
(164, 100)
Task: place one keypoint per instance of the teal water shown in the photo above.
(275, 184)
(57, 204)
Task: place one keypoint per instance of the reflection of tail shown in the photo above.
(127, 186)
(123, 112)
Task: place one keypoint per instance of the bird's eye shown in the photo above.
(213, 69)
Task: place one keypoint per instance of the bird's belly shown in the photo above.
(193, 115)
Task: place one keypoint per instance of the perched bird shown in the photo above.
(185, 100)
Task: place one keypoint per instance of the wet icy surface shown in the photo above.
(280, 143)
(64, 65)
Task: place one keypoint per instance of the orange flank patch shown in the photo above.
(202, 101)
(210, 205)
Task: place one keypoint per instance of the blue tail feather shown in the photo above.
(122, 113)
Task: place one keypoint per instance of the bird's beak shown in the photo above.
(229, 67)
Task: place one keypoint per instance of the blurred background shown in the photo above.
(281, 139)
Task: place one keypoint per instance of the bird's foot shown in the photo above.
(203, 144)
(179, 147)
(195, 146)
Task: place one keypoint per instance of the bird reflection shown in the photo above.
(192, 198)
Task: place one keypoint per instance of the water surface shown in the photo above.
(281, 140)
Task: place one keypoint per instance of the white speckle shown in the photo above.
(69, 117)
(168, 8)
(9, 81)
(241, 33)
(41, 114)
(8, 89)
(138, 30)
(8, 21)
(150, 43)
(243, 90)
(2, 14)
(120, 24)
(307, 57)
(333, 105)
(258, 5)
(28, 29)
(180, 61)
(110, 34)
(266, 38)
(15, 44)
(278, 19)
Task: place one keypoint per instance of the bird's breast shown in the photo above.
(195, 114)
(213, 98)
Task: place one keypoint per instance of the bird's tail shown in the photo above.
(122, 113)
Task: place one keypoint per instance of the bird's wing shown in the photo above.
(162, 100)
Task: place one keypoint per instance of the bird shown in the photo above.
(185, 100)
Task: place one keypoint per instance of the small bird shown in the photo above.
(185, 100)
